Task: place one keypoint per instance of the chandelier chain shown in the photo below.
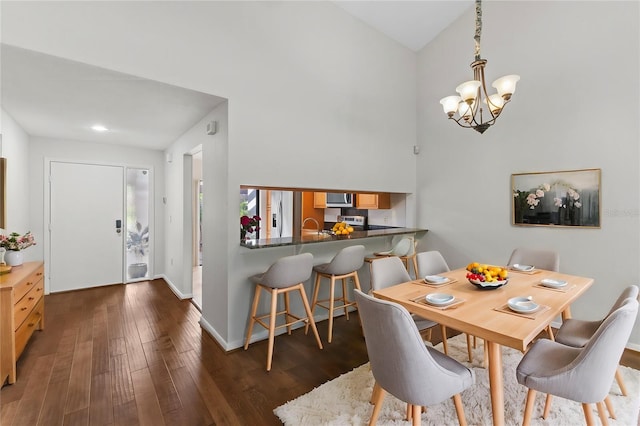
(478, 27)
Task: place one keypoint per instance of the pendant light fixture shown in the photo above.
(476, 109)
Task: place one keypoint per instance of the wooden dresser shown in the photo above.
(21, 313)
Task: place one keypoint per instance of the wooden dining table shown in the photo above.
(483, 313)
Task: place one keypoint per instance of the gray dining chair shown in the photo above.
(548, 260)
(542, 259)
(579, 374)
(389, 271)
(576, 332)
(345, 264)
(403, 366)
(405, 249)
(433, 263)
(285, 275)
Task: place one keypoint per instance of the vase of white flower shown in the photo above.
(14, 258)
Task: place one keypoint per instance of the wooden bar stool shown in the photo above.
(286, 275)
(345, 264)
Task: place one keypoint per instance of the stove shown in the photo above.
(358, 223)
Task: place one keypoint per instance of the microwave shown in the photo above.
(335, 199)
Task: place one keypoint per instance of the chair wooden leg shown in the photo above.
(588, 415)
(547, 406)
(528, 408)
(469, 351)
(307, 309)
(272, 326)
(417, 411)
(374, 393)
(602, 413)
(623, 388)
(332, 289)
(314, 300)
(377, 405)
(252, 319)
(550, 333)
(445, 347)
(415, 266)
(345, 300)
(607, 402)
(287, 311)
(475, 342)
(457, 401)
(409, 415)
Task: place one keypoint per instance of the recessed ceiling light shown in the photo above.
(99, 128)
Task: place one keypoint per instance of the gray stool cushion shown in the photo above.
(286, 272)
(348, 260)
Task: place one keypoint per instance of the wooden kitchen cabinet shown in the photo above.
(319, 200)
(21, 313)
(380, 200)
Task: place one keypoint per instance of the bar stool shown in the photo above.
(405, 249)
(345, 264)
(285, 275)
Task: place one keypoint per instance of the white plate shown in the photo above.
(439, 299)
(435, 279)
(523, 268)
(548, 282)
(522, 305)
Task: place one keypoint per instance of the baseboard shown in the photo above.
(174, 289)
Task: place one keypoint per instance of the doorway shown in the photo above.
(197, 203)
(91, 225)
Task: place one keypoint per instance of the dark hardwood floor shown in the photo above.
(136, 355)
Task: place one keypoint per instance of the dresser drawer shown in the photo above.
(23, 308)
(26, 285)
(27, 328)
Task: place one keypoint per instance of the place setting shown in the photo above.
(436, 281)
(524, 269)
(522, 306)
(438, 300)
(553, 284)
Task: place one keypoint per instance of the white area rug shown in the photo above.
(345, 400)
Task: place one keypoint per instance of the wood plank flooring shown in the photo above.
(136, 355)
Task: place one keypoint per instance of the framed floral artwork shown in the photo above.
(564, 198)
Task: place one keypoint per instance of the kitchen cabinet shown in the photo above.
(380, 200)
(21, 313)
(319, 200)
(310, 211)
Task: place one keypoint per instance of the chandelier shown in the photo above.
(468, 105)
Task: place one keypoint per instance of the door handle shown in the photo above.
(118, 226)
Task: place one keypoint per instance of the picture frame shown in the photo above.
(570, 198)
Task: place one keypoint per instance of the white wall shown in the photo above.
(15, 148)
(41, 149)
(576, 106)
(313, 92)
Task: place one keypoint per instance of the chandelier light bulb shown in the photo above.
(468, 90)
(495, 102)
(450, 104)
(506, 85)
(465, 110)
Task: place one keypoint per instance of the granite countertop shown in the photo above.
(313, 238)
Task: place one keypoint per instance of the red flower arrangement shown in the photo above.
(249, 225)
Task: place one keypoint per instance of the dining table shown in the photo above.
(485, 313)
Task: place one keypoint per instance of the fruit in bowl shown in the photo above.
(487, 276)
(341, 228)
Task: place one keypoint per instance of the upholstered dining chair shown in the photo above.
(433, 263)
(403, 366)
(576, 332)
(541, 259)
(345, 264)
(580, 374)
(390, 271)
(548, 260)
(285, 275)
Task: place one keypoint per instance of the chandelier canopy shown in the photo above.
(468, 105)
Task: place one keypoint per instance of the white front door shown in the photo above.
(86, 201)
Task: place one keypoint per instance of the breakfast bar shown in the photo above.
(324, 236)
